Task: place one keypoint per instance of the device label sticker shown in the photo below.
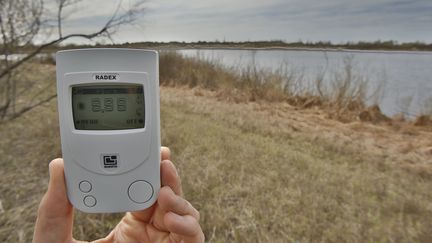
(106, 76)
(110, 162)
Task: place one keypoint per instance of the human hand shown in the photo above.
(170, 219)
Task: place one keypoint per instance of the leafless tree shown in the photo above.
(61, 4)
(21, 21)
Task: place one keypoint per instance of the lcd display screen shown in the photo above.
(108, 107)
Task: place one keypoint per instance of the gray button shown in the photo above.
(89, 201)
(140, 191)
(85, 186)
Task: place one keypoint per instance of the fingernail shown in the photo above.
(49, 170)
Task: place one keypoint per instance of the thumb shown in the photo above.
(55, 213)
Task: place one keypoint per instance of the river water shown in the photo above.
(403, 78)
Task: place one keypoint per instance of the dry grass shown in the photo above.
(269, 173)
(257, 171)
(344, 98)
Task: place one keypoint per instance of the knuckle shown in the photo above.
(195, 213)
(202, 236)
(198, 231)
(185, 205)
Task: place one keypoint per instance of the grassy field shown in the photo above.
(258, 169)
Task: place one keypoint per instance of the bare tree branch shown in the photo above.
(61, 5)
(41, 47)
(30, 107)
(20, 23)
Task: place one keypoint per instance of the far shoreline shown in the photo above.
(312, 49)
(387, 47)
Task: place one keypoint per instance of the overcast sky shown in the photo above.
(243, 20)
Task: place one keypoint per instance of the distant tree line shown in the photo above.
(360, 45)
(389, 45)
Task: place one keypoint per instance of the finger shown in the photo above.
(176, 204)
(170, 177)
(145, 215)
(165, 153)
(187, 227)
(55, 213)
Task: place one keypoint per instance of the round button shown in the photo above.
(85, 186)
(140, 191)
(89, 201)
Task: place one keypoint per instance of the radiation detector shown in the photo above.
(108, 104)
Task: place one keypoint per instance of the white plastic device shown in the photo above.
(108, 104)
